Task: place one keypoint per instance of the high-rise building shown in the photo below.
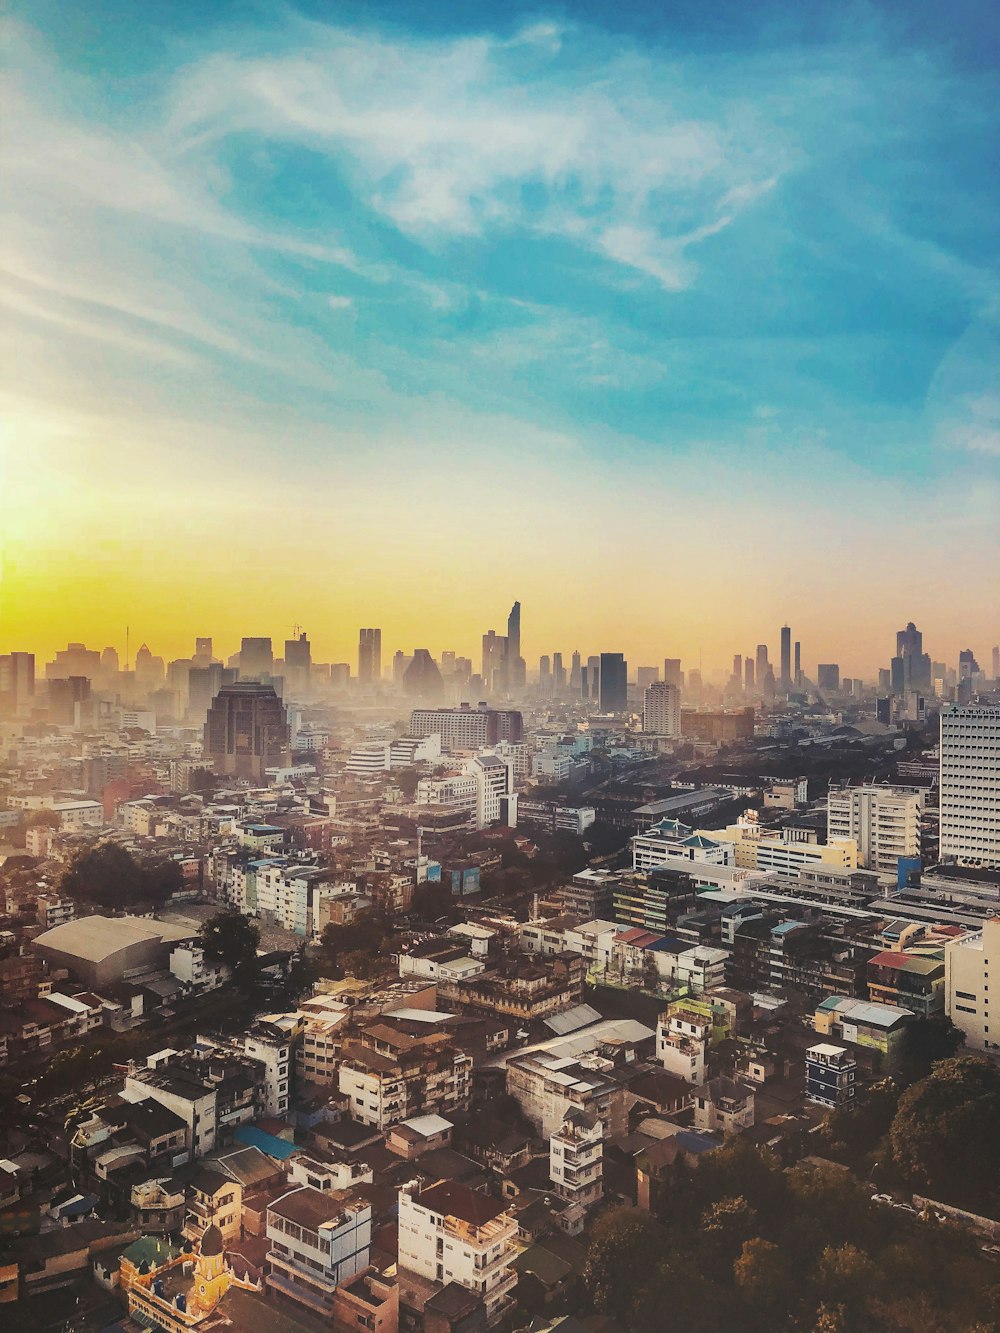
(558, 674)
(298, 665)
(516, 671)
(203, 649)
(911, 667)
(422, 679)
(762, 665)
(246, 731)
(883, 821)
(828, 676)
(736, 680)
(468, 728)
(968, 667)
(17, 682)
(661, 710)
(614, 683)
(256, 659)
(544, 673)
(749, 675)
(786, 658)
(369, 657)
(970, 786)
(584, 682)
(644, 676)
(797, 669)
(494, 661)
(204, 683)
(672, 672)
(574, 673)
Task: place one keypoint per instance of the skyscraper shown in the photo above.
(515, 662)
(246, 731)
(558, 674)
(672, 671)
(614, 683)
(574, 673)
(970, 786)
(786, 658)
(298, 664)
(256, 659)
(828, 676)
(911, 667)
(797, 670)
(422, 679)
(762, 665)
(369, 657)
(495, 649)
(544, 673)
(749, 676)
(996, 663)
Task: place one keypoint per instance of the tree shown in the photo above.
(105, 874)
(431, 900)
(625, 1247)
(232, 939)
(406, 781)
(762, 1276)
(725, 1227)
(847, 1278)
(926, 1041)
(946, 1134)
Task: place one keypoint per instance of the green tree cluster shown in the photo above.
(231, 938)
(107, 875)
(356, 949)
(744, 1245)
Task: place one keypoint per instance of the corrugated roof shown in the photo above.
(581, 1015)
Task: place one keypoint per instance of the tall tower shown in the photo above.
(246, 731)
(761, 665)
(614, 683)
(797, 677)
(516, 671)
(786, 657)
(256, 659)
(370, 656)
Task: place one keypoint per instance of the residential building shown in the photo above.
(369, 1300)
(970, 786)
(884, 822)
(576, 1159)
(388, 1075)
(911, 981)
(682, 1038)
(466, 728)
(723, 1106)
(661, 710)
(450, 1233)
(879, 1029)
(318, 1240)
(213, 1200)
(830, 1075)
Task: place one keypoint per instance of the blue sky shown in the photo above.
(719, 279)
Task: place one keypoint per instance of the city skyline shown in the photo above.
(278, 284)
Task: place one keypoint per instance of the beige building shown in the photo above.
(967, 986)
(883, 821)
(783, 851)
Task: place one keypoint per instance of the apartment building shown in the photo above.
(970, 786)
(466, 728)
(389, 1076)
(831, 1072)
(884, 822)
(450, 1233)
(213, 1200)
(318, 1239)
(576, 1159)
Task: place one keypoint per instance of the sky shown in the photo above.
(676, 322)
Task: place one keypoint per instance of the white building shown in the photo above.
(576, 1159)
(74, 816)
(496, 801)
(450, 1233)
(274, 1052)
(367, 761)
(967, 985)
(318, 1239)
(883, 821)
(970, 786)
(671, 844)
(661, 710)
(190, 966)
(410, 750)
(682, 1038)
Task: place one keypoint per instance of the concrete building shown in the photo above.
(369, 1300)
(970, 786)
(318, 1240)
(883, 821)
(613, 683)
(466, 728)
(830, 1075)
(246, 731)
(450, 1233)
(661, 710)
(876, 1028)
(967, 965)
(576, 1159)
(723, 1106)
(670, 843)
(389, 1076)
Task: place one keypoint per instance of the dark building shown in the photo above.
(64, 695)
(828, 676)
(204, 683)
(298, 664)
(614, 683)
(246, 731)
(422, 677)
(515, 662)
(786, 657)
(370, 656)
(256, 659)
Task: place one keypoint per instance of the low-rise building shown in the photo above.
(317, 1241)
(831, 1072)
(723, 1106)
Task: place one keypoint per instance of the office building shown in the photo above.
(516, 671)
(246, 731)
(883, 821)
(370, 657)
(828, 676)
(672, 672)
(17, 682)
(661, 710)
(614, 683)
(494, 662)
(911, 667)
(797, 669)
(298, 665)
(422, 679)
(749, 675)
(970, 786)
(575, 671)
(786, 658)
(762, 665)
(204, 683)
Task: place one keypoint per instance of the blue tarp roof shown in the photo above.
(252, 1137)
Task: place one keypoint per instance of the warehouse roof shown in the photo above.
(94, 938)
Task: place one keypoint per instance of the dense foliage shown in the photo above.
(109, 876)
(231, 938)
(744, 1245)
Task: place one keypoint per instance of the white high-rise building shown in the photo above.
(661, 710)
(970, 786)
(883, 821)
(496, 800)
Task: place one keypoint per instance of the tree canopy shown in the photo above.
(232, 939)
(108, 875)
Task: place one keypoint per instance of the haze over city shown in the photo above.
(500, 666)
